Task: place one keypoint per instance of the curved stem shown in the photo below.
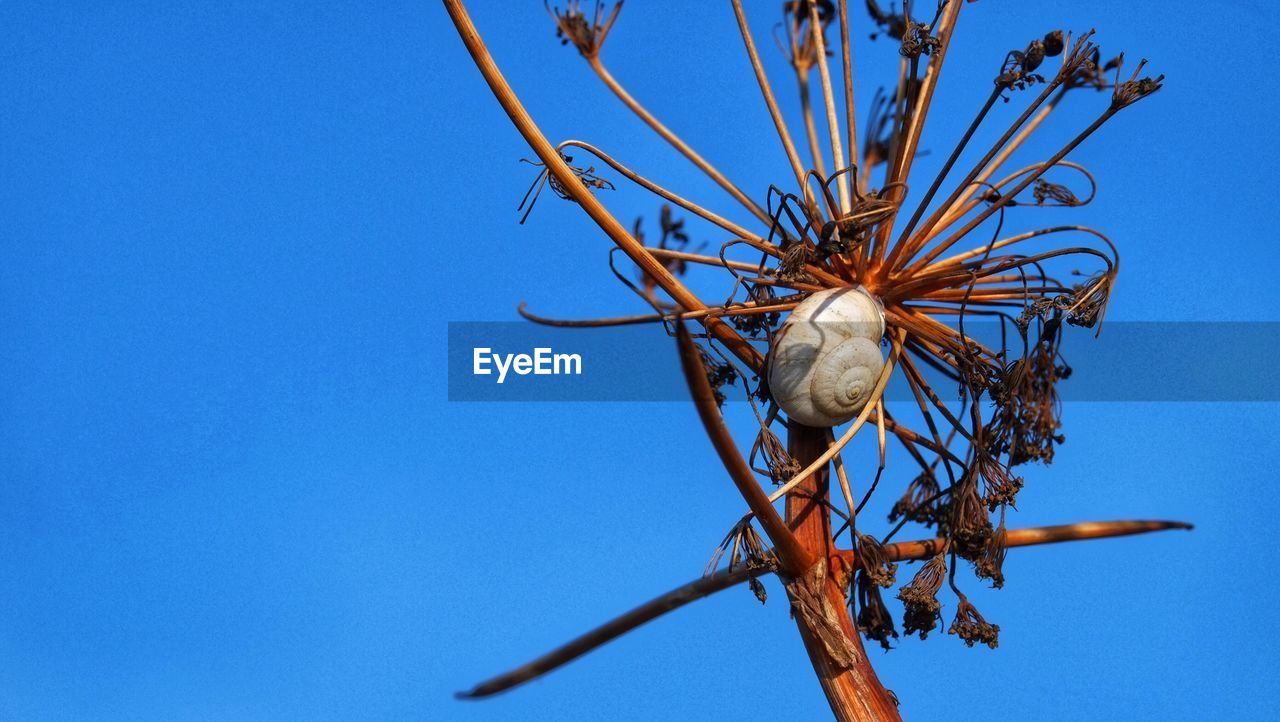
(793, 557)
(706, 586)
(612, 629)
(1004, 200)
(556, 165)
(661, 192)
(675, 140)
(767, 91)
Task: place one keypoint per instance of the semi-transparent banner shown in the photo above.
(1127, 361)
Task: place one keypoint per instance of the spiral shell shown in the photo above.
(826, 357)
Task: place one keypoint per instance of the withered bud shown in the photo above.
(745, 548)
(1060, 194)
(1000, 486)
(778, 462)
(572, 26)
(875, 562)
(918, 503)
(800, 9)
(972, 628)
(873, 618)
(791, 267)
(1053, 44)
(968, 523)
(1134, 89)
(720, 373)
(1018, 70)
(1088, 301)
(1033, 56)
(991, 564)
(918, 40)
(920, 598)
(831, 242)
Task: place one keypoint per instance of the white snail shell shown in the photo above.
(826, 357)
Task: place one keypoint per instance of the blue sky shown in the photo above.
(231, 485)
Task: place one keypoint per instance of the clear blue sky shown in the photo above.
(231, 485)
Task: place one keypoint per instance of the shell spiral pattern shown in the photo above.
(826, 357)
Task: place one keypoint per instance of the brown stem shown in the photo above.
(791, 554)
(767, 91)
(577, 192)
(946, 29)
(828, 98)
(846, 58)
(675, 140)
(721, 580)
(810, 130)
(612, 629)
(852, 688)
(1033, 536)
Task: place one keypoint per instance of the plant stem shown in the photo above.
(846, 56)
(767, 91)
(573, 187)
(675, 140)
(900, 171)
(852, 688)
(707, 585)
(612, 629)
(810, 130)
(795, 559)
(828, 98)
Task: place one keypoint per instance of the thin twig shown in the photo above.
(794, 558)
(767, 91)
(719, 581)
(846, 55)
(556, 165)
(828, 97)
(612, 629)
(675, 140)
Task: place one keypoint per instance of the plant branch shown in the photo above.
(675, 140)
(846, 56)
(577, 192)
(612, 629)
(767, 91)
(828, 97)
(724, 579)
(794, 559)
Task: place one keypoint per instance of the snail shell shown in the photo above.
(826, 357)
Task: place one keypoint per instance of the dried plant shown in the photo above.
(931, 264)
